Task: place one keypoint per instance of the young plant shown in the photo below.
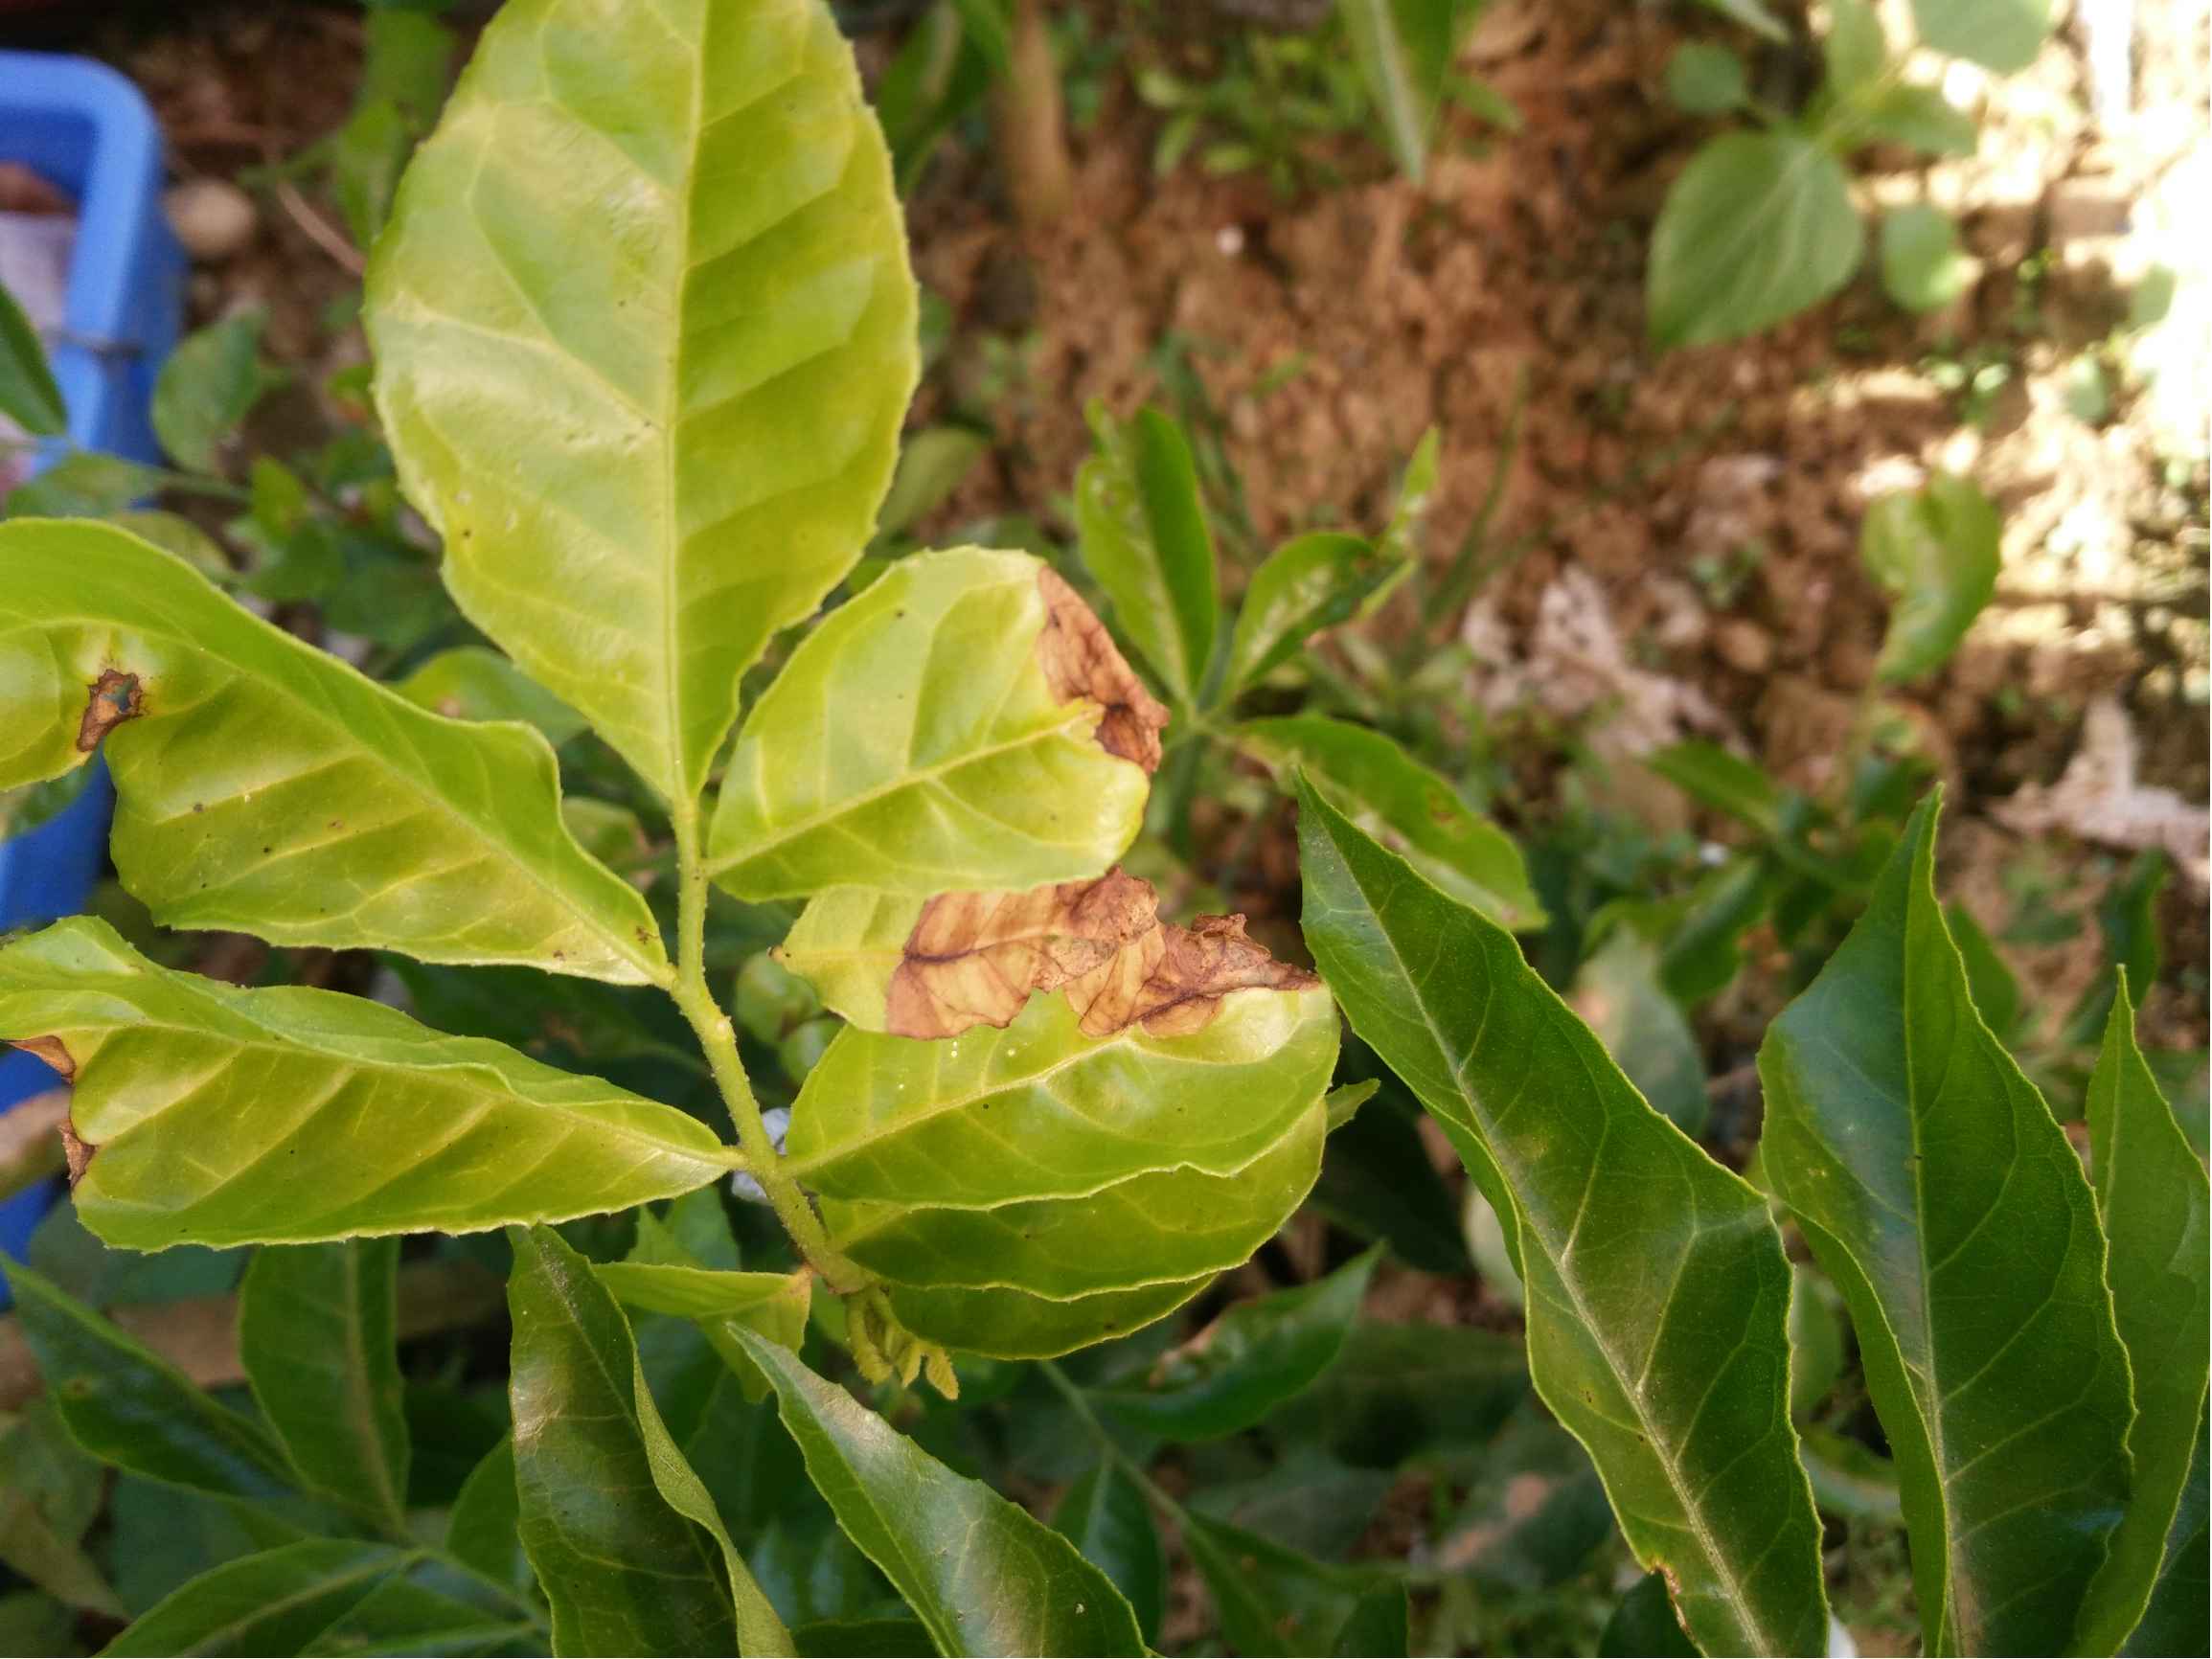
(1760, 226)
(645, 335)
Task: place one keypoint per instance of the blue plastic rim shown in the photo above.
(85, 129)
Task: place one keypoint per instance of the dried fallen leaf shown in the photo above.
(2098, 798)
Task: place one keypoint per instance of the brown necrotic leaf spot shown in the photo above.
(109, 700)
(1080, 660)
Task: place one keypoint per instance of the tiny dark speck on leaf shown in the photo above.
(337, 823)
(266, 851)
(199, 806)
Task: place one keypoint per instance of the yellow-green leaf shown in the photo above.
(218, 1116)
(964, 723)
(1029, 1190)
(645, 333)
(1144, 541)
(265, 786)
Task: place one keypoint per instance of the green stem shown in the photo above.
(719, 1038)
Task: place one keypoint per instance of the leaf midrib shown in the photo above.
(1072, 718)
(279, 1044)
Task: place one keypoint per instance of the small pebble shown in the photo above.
(211, 217)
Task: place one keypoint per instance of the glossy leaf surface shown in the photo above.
(1934, 550)
(1310, 584)
(1255, 1356)
(2151, 1199)
(1758, 227)
(980, 1573)
(1145, 1163)
(1107, 1517)
(28, 394)
(1145, 541)
(1395, 798)
(644, 334)
(953, 727)
(288, 1115)
(609, 1512)
(773, 1304)
(267, 786)
(1666, 1358)
(320, 1596)
(1942, 1198)
(127, 1406)
(1617, 992)
(317, 1333)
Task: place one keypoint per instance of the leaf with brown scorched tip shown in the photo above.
(935, 967)
(962, 724)
(934, 970)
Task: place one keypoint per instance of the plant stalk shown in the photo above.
(719, 1038)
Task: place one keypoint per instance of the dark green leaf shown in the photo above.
(1753, 15)
(982, 1575)
(932, 464)
(1701, 955)
(127, 1406)
(2152, 1199)
(1758, 227)
(1393, 796)
(83, 483)
(1535, 1513)
(1851, 1480)
(861, 1639)
(320, 1596)
(2128, 918)
(49, 1493)
(1999, 35)
(28, 394)
(1145, 541)
(1398, 1392)
(209, 383)
(1273, 1600)
(1667, 1354)
(1377, 1181)
(484, 1529)
(1105, 1516)
(1934, 551)
(1995, 992)
(1721, 779)
(1405, 49)
(1308, 1501)
(1944, 1202)
(1255, 1356)
(317, 1335)
(1618, 994)
(611, 1518)
(1705, 80)
(1644, 1626)
(2175, 1622)
(1816, 1340)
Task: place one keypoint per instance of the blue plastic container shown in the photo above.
(85, 129)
